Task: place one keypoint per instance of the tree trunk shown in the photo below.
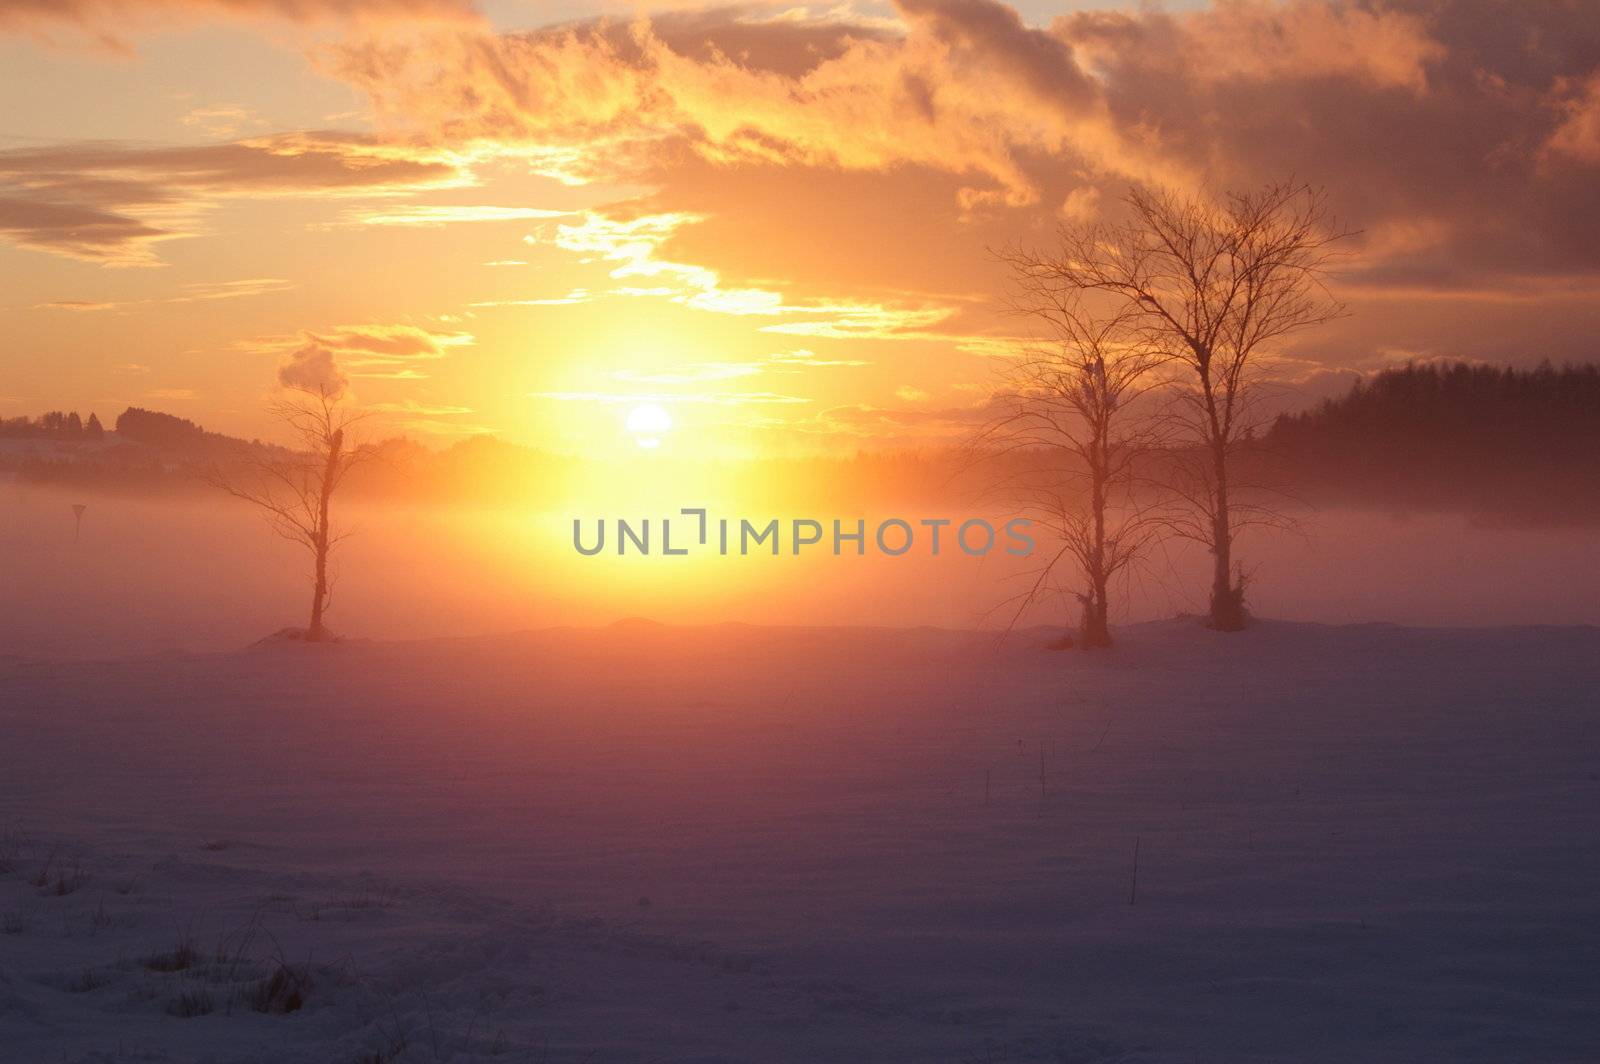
(1096, 627)
(319, 592)
(1227, 595)
(1096, 631)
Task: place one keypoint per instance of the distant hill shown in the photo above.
(158, 429)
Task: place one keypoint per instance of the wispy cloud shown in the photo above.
(576, 295)
(635, 245)
(192, 292)
(108, 21)
(376, 352)
(433, 216)
(113, 203)
(701, 398)
(804, 358)
(222, 121)
(172, 394)
(412, 406)
(699, 372)
(695, 374)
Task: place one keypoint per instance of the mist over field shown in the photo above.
(206, 574)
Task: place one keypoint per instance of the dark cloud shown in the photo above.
(110, 203)
(107, 20)
(1429, 122)
(75, 229)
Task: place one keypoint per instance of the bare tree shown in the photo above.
(1211, 285)
(1070, 401)
(295, 488)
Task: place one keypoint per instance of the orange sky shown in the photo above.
(772, 221)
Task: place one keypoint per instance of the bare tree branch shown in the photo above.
(294, 488)
(1207, 287)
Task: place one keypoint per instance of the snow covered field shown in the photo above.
(714, 844)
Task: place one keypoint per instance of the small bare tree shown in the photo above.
(1071, 403)
(1211, 285)
(295, 488)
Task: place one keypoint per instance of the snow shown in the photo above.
(644, 843)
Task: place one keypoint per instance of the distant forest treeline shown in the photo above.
(1494, 441)
(1502, 444)
(56, 425)
(134, 424)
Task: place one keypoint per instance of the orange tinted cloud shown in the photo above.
(107, 20)
(1578, 136)
(966, 89)
(1413, 112)
(111, 203)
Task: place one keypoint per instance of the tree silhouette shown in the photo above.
(1212, 286)
(295, 490)
(1073, 400)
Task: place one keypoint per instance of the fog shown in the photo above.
(150, 576)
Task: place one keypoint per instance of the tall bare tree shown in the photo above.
(1071, 401)
(1211, 285)
(294, 488)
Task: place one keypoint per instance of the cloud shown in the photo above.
(1578, 136)
(635, 243)
(695, 374)
(390, 342)
(436, 216)
(1408, 110)
(1420, 116)
(112, 203)
(576, 295)
(106, 20)
(77, 306)
(435, 427)
(313, 369)
(387, 352)
(222, 121)
(848, 320)
(192, 292)
(699, 372)
(967, 88)
(962, 86)
(698, 398)
(803, 358)
(78, 230)
(377, 352)
(411, 406)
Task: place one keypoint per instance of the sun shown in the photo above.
(648, 422)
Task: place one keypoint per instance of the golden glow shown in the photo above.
(491, 230)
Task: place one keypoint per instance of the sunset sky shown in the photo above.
(770, 220)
